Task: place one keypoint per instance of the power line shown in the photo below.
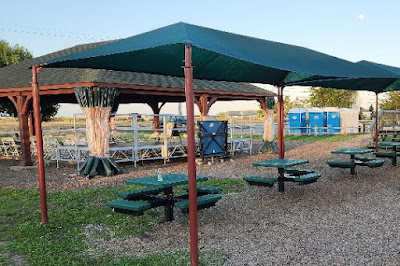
(52, 33)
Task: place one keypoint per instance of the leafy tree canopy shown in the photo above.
(13, 54)
(327, 97)
(392, 101)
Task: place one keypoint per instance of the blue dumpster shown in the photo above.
(333, 122)
(315, 119)
(297, 121)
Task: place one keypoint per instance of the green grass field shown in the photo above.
(62, 242)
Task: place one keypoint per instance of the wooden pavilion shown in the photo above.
(58, 86)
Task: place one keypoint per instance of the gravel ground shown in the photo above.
(65, 178)
(339, 220)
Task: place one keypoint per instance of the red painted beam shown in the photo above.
(191, 155)
(376, 122)
(281, 144)
(39, 145)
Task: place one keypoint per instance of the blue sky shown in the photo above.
(353, 30)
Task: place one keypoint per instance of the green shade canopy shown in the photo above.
(216, 55)
(376, 85)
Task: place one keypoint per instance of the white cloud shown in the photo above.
(361, 17)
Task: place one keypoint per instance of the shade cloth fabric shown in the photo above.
(376, 85)
(216, 55)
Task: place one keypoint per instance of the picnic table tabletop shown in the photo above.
(352, 151)
(389, 144)
(168, 180)
(280, 163)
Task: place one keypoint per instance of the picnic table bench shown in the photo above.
(137, 201)
(204, 201)
(285, 173)
(391, 155)
(356, 159)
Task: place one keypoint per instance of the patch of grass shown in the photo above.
(254, 136)
(5, 258)
(227, 185)
(330, 138)
(63, 242)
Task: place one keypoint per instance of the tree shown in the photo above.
(48, 110)
(288, 104)
(392, 101)
(327, 97)
(372, 114)
(11, 55)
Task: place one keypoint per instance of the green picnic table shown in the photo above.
(167, 183)
(352, 153)
(281, 164)
(394, 146)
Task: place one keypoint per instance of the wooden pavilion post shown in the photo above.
(281, 125)
(376, 122)
(191, 155)
(31, 125)
(268, 134)
(39, 145)
(154, 105)
(21, 103)
(204, 105)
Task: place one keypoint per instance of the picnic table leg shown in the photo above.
(169, 207)
(352, 169)
(394, 160)
(281, 179)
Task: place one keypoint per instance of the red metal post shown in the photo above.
(39, 145)
(281, 143)
(191, 156)
(376, 122)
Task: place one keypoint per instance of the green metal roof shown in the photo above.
(216, 55)
(19, 75)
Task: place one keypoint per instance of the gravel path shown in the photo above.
(339, 220)
(65, 178)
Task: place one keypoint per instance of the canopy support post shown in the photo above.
(376, 122)
(281, 125)
(39, 145)
(191, 155)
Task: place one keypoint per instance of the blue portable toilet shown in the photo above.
(333, 122)
(297, 121)
(315, 119)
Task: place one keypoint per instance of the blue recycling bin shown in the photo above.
(297, 121)
(333, 122)
(213, 137)
(315, 119)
